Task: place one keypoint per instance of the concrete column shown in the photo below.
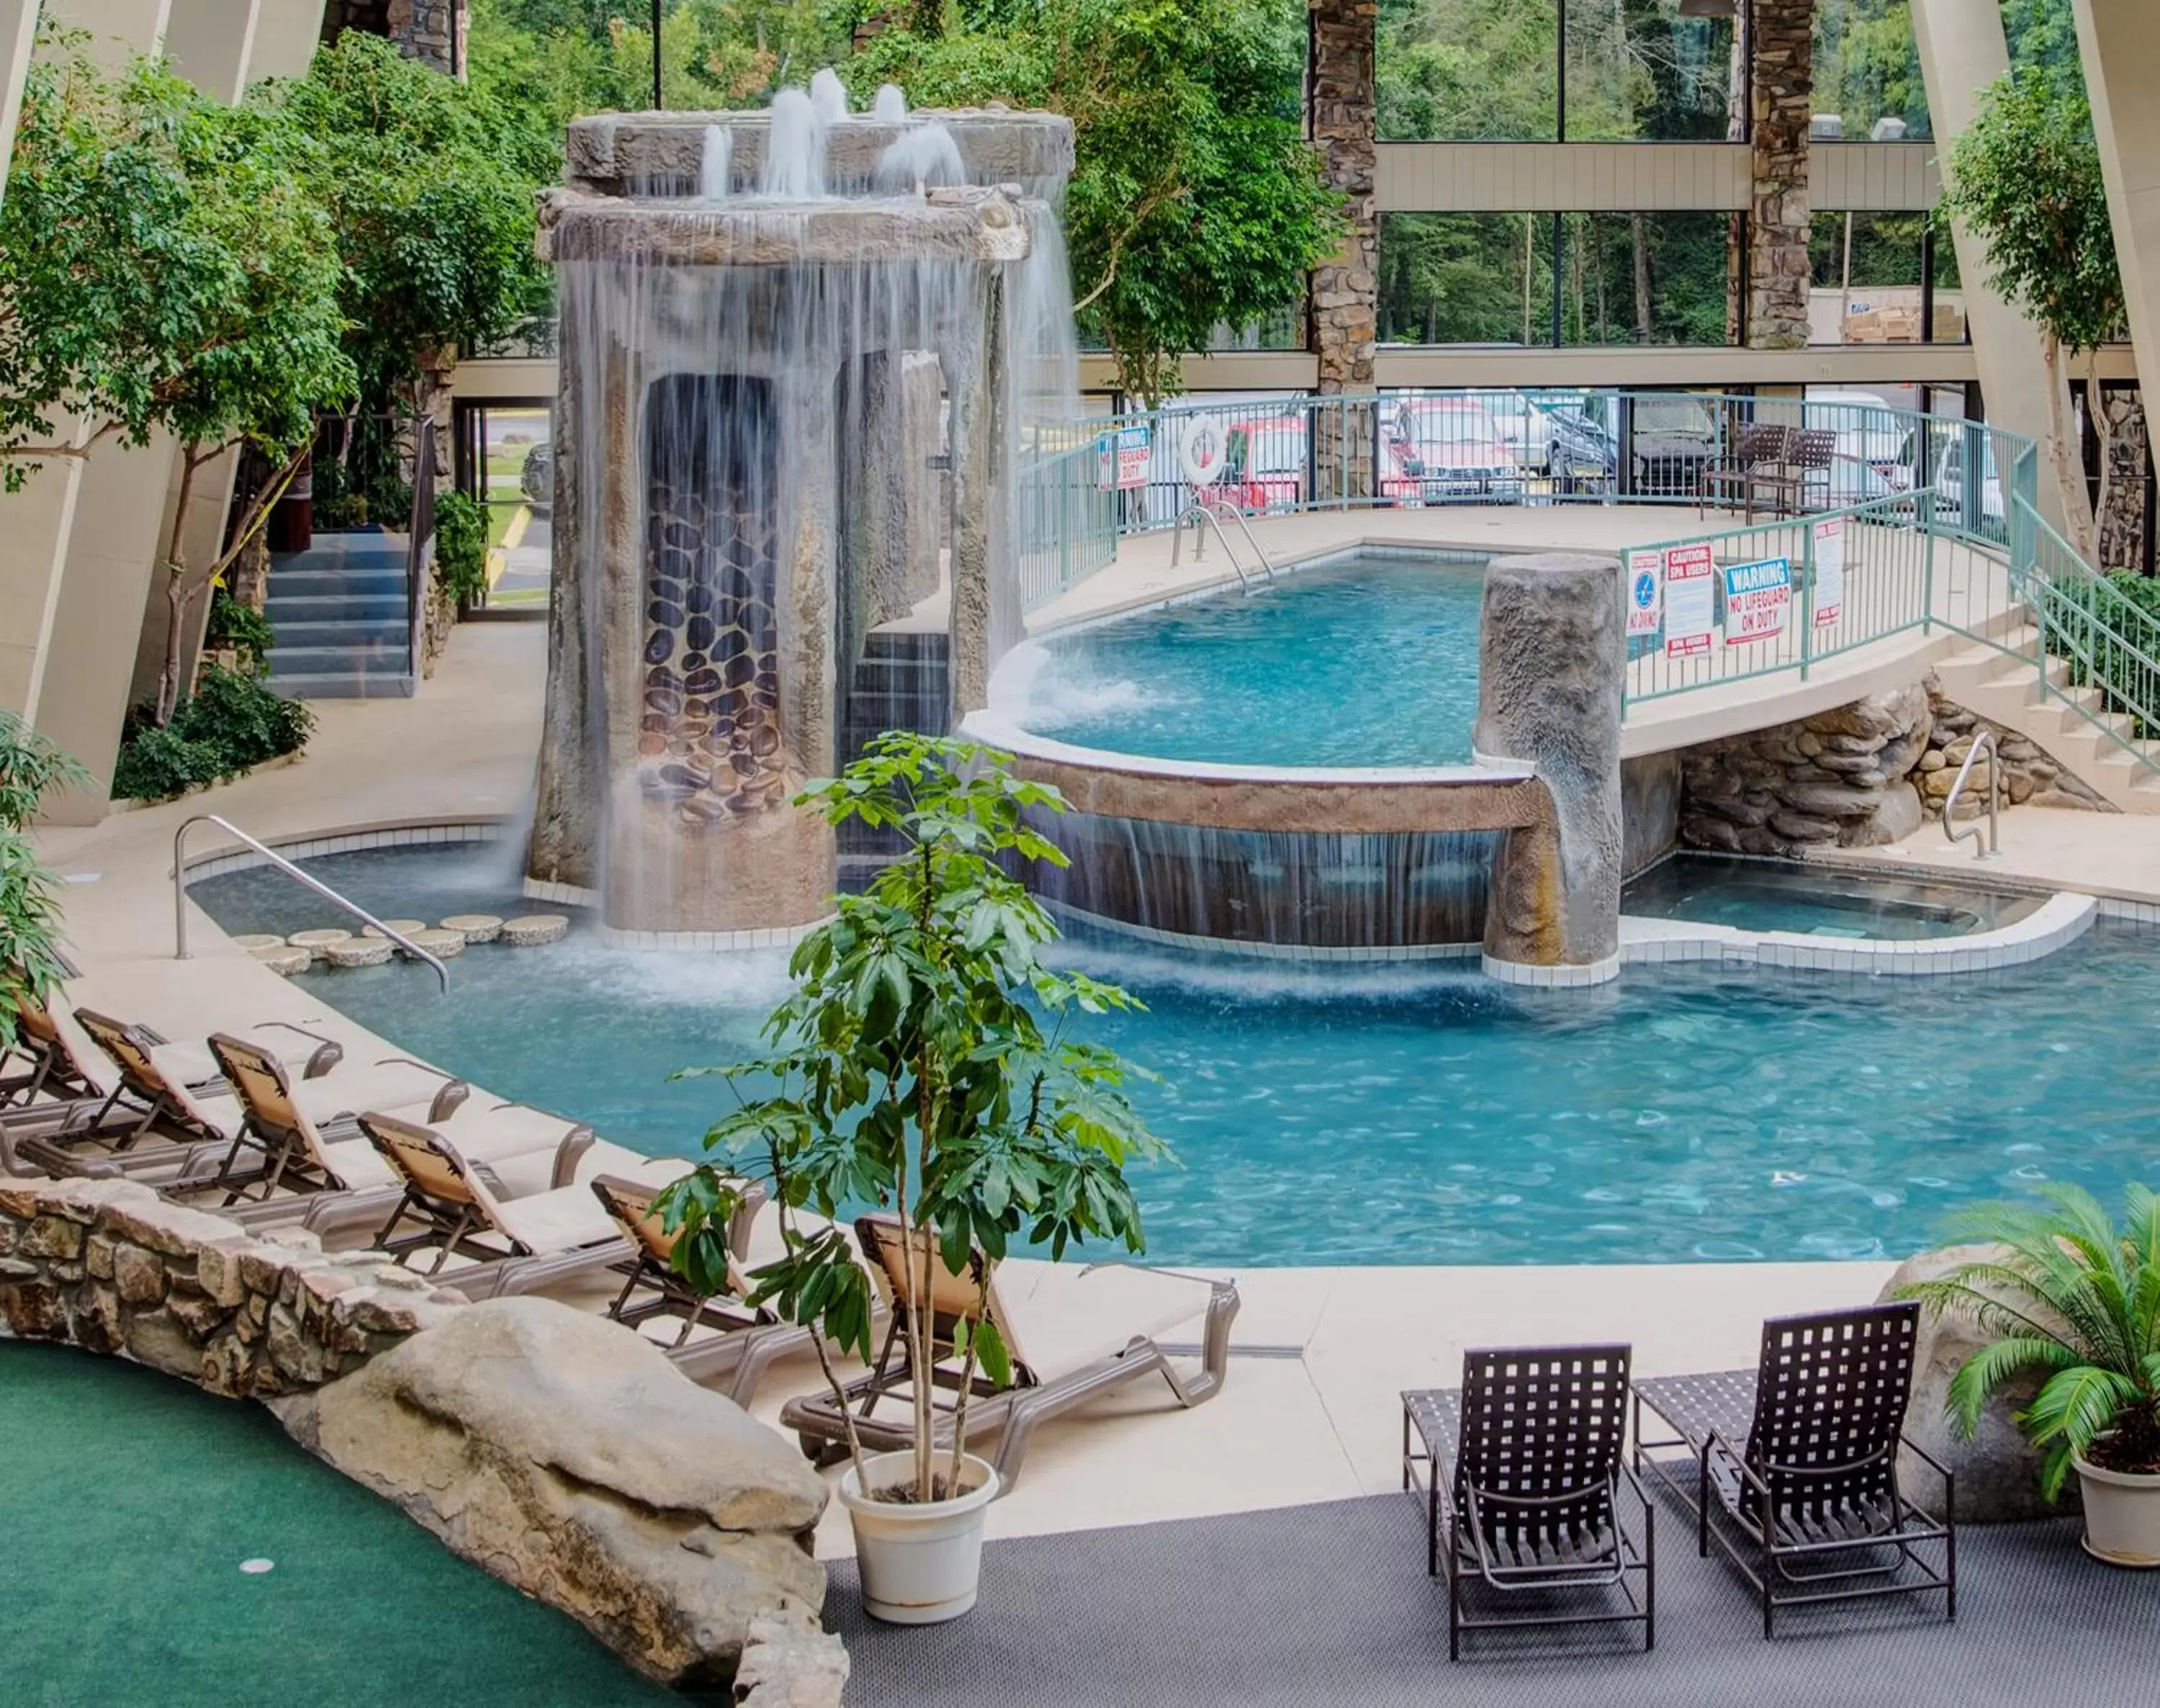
(1344, 290)
(1962, 51)
(210, 43)
(18, 30)
(2119, 41)
(1551, 649)
(1781, 92)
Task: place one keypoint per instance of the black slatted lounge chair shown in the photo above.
(1791, 1468)
(1524, 1466)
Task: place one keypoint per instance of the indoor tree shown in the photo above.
(30, 767)
(925, 1064)
(2025, 178)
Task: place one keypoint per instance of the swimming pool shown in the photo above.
(1369, 660)
(1403, 1115)
(1824, 901)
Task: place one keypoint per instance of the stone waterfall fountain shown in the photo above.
(762, 316)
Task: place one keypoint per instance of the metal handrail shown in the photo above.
(1984, 742)
(1223, 507)
(1196, 514)
(286, 866)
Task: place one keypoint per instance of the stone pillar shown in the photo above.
(1962, 51)
(1344, 290)
(431, 31)
(1781, 84)
(1551, 650)
(986, 620)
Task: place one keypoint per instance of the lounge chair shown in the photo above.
(1101, 1335)
(44, 1070)
(1760, 464)
(1524, 1464)
(283, 1135)
(1792, 1468)
(512, 1244)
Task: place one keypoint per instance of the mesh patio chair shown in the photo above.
(1524, 1468)
(1757, 464)
(1792, 1468)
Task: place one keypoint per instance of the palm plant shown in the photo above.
(923, 1065)
(29, 912)
(2069, 1296)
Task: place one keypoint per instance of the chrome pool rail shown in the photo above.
(1211, 516)
(1983, 742)
(180, 894)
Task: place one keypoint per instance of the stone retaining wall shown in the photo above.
(1858, 776)
(112, 1267)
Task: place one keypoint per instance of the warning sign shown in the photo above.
(1646, 592)
(1829, 570)
(1758, 596)
(1691, 603)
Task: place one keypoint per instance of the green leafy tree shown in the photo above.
(1196, 200)
(2069, 1296)
(429, 186)
(163, 266)
(924, 1064)
(2025, 178)
(30, 768)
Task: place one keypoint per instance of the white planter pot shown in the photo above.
(2122, 1515)
(919, 1564)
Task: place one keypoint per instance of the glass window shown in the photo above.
(1468, 71)
(1639, 69)
(1869, 273)
(1868, 72)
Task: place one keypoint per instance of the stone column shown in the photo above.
(1551, 650)
(431, 31)
(1344, 290)
(985, 616)
(1781, 84)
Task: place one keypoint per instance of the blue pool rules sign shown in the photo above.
(1646, 592)
(1758, 597)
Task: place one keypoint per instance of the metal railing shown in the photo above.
(1983, 742)
(1205, 517)
(180, 894)
(1087, 483)
(2095, 646)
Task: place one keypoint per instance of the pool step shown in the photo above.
(343, 618)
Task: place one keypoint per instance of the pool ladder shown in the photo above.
(1212, 515)
(1984, 742)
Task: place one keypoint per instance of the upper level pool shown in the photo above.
(1369, 659)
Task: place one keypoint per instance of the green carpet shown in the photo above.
(128, 1502)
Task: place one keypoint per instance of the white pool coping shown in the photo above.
(2062, 919)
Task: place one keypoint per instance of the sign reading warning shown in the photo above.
(1757, 598)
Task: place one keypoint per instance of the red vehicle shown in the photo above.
(1445, 451)
(1264, 464)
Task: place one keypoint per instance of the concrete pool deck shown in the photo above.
(1309, 1413)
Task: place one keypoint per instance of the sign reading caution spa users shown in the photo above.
(1758, 597)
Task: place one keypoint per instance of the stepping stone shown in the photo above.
(318, 944)
(531, 930)
(282, 958)
(441, 944)
(361, 952)
(403, 927)
(258, 940)
(475, 928)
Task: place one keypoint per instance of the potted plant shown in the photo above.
(2068, 1296)
(923, 1066)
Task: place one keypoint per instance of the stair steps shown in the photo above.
(343, 618)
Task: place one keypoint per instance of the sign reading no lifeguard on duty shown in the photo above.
(1757, 597)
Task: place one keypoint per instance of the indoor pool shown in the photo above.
(1816, 901)
(1402, 1115)
(1369, 660)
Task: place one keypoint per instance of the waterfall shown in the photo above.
(713, 165)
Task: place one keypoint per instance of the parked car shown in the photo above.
(1672, 437)
(1945, 469)
(536, 480)
(1579, 453)
(1524, 425)
(1439, 450)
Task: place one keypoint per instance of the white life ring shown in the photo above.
(1203, 450)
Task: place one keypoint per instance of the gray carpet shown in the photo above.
(1329, 1604)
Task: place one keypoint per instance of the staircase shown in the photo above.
(344, 621)
(903, 682)
(2067, 722)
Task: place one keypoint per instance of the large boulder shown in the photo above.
(1998, 1471)
(567, 1456)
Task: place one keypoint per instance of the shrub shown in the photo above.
(232, 725)
(30, 767)
(243, 629)
(461, 545)
(2107, 629)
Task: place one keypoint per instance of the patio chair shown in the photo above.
(512, 1244)
(1792, 1468)
(1061, 1358)
(287, 1136)
(43, 1069)
(1524, 1466)
(1757, 464)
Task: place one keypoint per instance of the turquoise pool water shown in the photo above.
(1822, 901)
(1369, 662)
(1404, 1116)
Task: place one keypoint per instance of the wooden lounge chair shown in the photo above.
(286, 1136)
(1524, 1463)
(1062, 1358)
(1756, 466)
(1792, 1468)
(512, 1244)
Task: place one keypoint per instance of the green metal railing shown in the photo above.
(2095, 645)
